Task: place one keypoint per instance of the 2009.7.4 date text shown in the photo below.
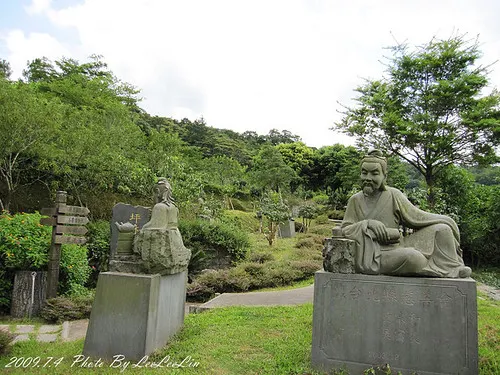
(27, 362)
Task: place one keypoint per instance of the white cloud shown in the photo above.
(256, 65)
(38, 6)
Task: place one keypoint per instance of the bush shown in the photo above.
(60, 309)
(98, 238)
(24, 242)
(216, 243)
(6, 339)
(261, 257)
(75, 270)
(336, 214)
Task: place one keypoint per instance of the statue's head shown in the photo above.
(163, 191)
(373, 172)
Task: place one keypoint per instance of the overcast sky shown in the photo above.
(242, 64)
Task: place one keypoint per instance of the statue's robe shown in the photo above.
(432, 250)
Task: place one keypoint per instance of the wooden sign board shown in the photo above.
(78, 220)
(70, 239)
(71, 230)
(50, 221)
(73, 210)
(51, 211)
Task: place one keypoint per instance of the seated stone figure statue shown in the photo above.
(159, 242)
(373, 218)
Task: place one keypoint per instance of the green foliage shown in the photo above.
(308, 212)
(60, 309)
(270, 170)
(276, 212)
(24, 242)
(99, 234)
(74, 271)
(212, 240)
(428, 110)
(6, 339)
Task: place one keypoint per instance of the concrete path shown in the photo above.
(280, 297)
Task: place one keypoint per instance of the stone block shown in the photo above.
(287, 229)
(47, 337)
(416, 325)
(134, 315)
(18, 338)
(126, 213)
(21, 328)
(338, 255)
(49, 329)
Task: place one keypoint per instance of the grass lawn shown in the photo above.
(242, 340)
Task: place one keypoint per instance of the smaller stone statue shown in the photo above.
(159, 243)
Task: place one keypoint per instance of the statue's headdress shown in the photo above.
(375, 156)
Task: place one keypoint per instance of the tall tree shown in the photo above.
(29, 124)
(429, 109)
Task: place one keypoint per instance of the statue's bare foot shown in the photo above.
(464, 272)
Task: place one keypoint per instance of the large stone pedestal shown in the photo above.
(134, 315)
(416, 325)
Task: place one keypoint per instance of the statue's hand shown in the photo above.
(381, 234)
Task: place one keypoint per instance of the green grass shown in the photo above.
(489, 334)
(245, 340)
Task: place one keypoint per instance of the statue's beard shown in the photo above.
(368, 189)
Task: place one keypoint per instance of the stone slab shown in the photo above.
(47, 337)
(24, 328)
(287, 229)
(49, 329)
(18, 338)
(123, 213)
(134, 314)
(5, 327)
(422, 325)
(171, 307)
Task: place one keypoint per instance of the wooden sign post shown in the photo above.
(62, 225)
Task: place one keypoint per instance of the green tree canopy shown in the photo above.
(430, 109)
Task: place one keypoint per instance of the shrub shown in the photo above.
(24, 245)
(322, 219)
(6, 339)
(98, 238)
(213, 241)
(60, 309)
(24, 242)
(305, 242)
(261, 257)
(336, 214)
(75, 270)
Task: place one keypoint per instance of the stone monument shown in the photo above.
(137, 311)
(364, 315)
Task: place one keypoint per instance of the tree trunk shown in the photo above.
(431, 197)
(29, 293)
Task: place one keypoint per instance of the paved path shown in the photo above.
(75, 330)
(279, 297)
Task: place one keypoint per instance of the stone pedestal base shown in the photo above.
(416, 325)
(134, 315)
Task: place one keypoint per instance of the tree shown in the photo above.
(5, 69)
(270, 171)
(276, 212)
(224, 175)
(429, 109)
(29, 124)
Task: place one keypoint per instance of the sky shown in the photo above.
(243, 64)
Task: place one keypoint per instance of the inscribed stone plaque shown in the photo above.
(123, 213)
(422, 325)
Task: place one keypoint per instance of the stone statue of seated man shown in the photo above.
(373, 218)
